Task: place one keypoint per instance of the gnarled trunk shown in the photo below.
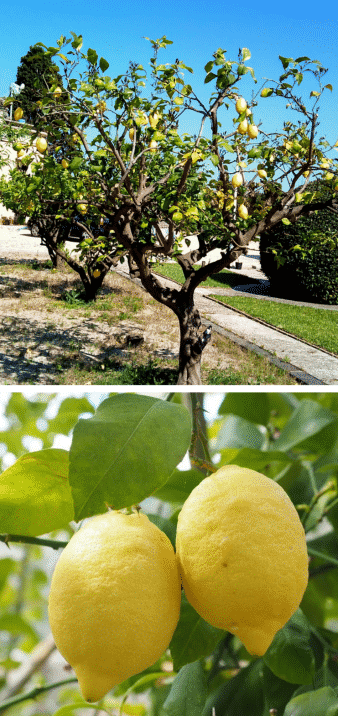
(192, 344)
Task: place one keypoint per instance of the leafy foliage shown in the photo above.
(301, 260)
(36, 71)
(143, 439)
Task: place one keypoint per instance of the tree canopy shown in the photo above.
(36, 71)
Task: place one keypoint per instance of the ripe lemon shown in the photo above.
(242, 554)
(237, 180)
(242, 211)
(115, 599)
(241, 105)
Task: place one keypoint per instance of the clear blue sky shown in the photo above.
(116, 29)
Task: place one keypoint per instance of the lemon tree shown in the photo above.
(226, 184)
(257, 491)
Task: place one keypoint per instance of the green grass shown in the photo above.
(224, 279)
(315, 325)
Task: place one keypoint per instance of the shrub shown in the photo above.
(301, 259)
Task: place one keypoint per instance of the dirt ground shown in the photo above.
(46, 340)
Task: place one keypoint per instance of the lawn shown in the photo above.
(315, 325)
(224, 279)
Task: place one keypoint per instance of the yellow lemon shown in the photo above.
(243, 127)
(242, 554)
(18, 114)
(242, 211)
(237, 180)
(115, 599)
(41, 144)
(241, 105)
(252, 131)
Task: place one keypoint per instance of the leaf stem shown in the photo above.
(34, 693)
(55, 544)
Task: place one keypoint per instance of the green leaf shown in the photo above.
(179, 485)
(77, 41)
(306, 423)
(329, 87)
(193, 637)
(237, 432)
(302, 59)
(250, 406)
(167, 526)
(213, 158)
(209, 77)
(110, 703)
(277, 692)
(103, 64)
(92, 56)
(254, 459)
(127, 450)
(68, 414)
(241, 696)
(287, 222)
(35, 496)
(290, 656)
(321, 555)
(285, 61)
(16, 625)
(7, 566)
(246, 54)
(255, 153)
(208, 67)
(322, 702)
(188, 692)
(76, 163)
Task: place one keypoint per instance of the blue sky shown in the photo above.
(197, 29)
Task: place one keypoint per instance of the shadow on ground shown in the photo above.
(35, 354)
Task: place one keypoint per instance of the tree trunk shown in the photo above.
(60, 263)
(134, 270)
(192, 344)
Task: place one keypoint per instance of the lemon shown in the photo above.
(242, 554)
(115, 599)
(242, 211)
(241, 105)
(237, 180)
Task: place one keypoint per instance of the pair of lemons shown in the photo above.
(116, 590)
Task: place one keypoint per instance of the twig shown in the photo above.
(34, 693)
(38, 656)
(55, 544)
